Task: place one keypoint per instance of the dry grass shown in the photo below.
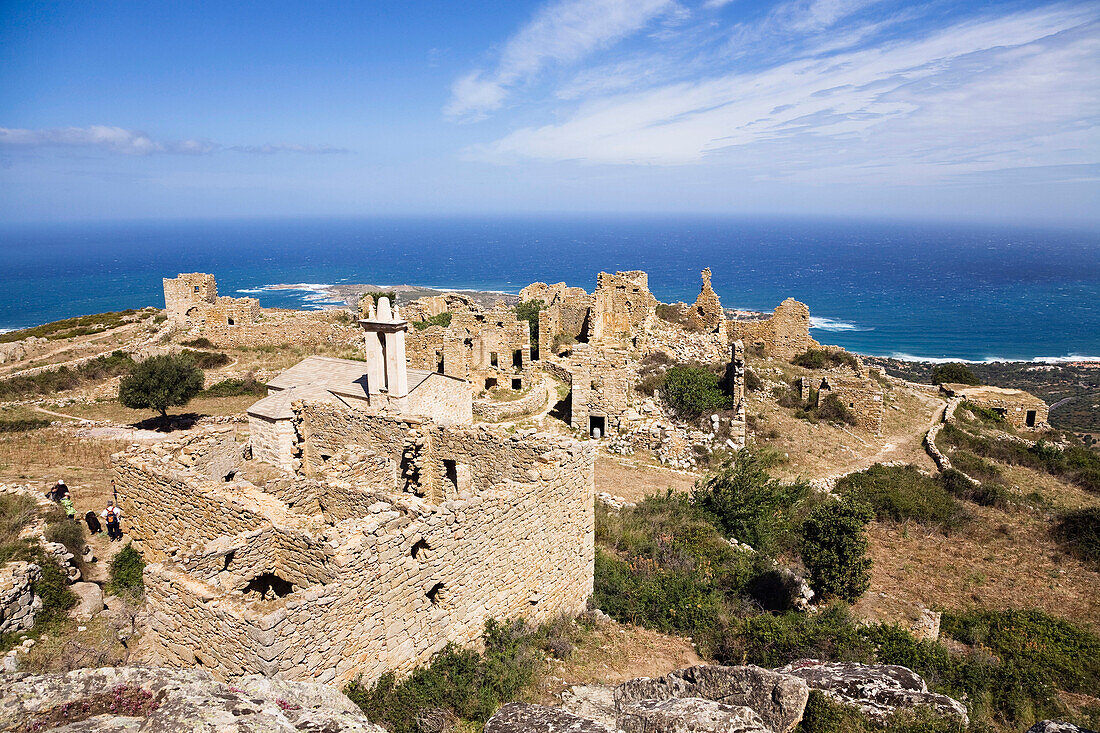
(614, 653)
(635, 482)
(111, 410)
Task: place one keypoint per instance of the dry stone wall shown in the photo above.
(398, 537)
(784, 335)
(18, 604)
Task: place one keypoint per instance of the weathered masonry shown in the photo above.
(488, 348)
(395, 536)
(784, 335)
(861, 396)
(381, 381)
(1022, 410)
(619, 312)
(191, 300)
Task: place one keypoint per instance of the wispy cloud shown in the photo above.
(562, 32)
(132, 142)
(986, 92)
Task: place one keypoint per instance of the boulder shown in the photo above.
(878, 689)
(1056, 726)
(156, 699)
(594, 702)
(90, 600)
(520, 717)
(778, 699)
(688, 714)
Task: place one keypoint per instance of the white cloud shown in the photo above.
(562, 32)
(983, 94)
(132, 142)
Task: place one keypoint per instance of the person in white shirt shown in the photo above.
(112, 516)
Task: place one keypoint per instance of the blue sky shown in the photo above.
(980, 111)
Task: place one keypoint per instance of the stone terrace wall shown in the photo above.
(378, 592)
(495, 411)
(785, 335)
(17, 600)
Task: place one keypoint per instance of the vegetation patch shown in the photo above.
(127, 700)
(693, 390)
(78, 326)
(1078, 532)
(834, 549)
(825, 359)
(207, 359)
(126, 572)
(461, 686)
(678, 314)
(63, 379)
(379, 294)
(954, 373)
(903, 493)
(22, 425)
(236, 388)
(528, 311)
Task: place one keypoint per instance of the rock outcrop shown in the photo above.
(716, 699)
(17, 600)
(878, 690)
(1056, 726)
(116, 699)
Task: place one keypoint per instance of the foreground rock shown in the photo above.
(1055, 726)
(520, 717)
(684, 714)
(778, 699)
(878, 690)
(116, 699)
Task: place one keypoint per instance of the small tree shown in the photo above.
(528, 311)
(954, 373)
(161, 382)
(834, 549)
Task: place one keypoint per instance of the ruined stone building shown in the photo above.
(382, 382)
(600, 384)
(784, 335)
(619, 312)
(707, 312)
(191, 300)
(395, 536)
(861, 396)
(1022, 410)
(489, 348)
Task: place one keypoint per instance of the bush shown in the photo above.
(377, 294)
(692, 391)
(900, 493)
(236, 388)
(199, 343)
(834, 549)
(66, 378)
(822, 715)
(753, 383)
(955, 483)
(985, 414)
(528, 311)
(53, 588)
(440, 319)
(160, 382)
(207, 359)
(68, 532)
(746, 503)
(16, 512)
(954, 373)
(831, 409)
(825, 358)
(1078, 532)
(22, 426)
(459, 683)
(126, 572)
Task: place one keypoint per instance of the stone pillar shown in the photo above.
(384, 345)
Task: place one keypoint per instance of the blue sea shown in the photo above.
(879, 288)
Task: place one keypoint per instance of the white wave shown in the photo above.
(901, 356)
(308, 287)
(828, 324)
(251, 291)
(7, 330)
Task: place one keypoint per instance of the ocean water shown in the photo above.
(890, 289)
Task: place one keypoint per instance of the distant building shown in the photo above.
(1022, 410)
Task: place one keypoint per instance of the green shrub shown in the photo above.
(651, 373)
(440, 319)
(199, 343)
(207, 359)
(236, 388)
(66, 378)
(458, 682)
(126, 572)
(68, 532)
(772, 640)
(900, 493)
(831, 409)
(834, 549)
(984, 414)
(378, 294)
(975, 466)
(528, 311)
(1078, 531)
(22, 426)
(954, 373)
(955, 483)
(824, 359)
(53, 588)
(746, 503)
(78, 326)
(692, 391)
(161, 382)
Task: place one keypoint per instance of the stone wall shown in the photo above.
(18, 604)
(1022, 410)
(476, 346)
(447, 401)
(863, 397)
(473, 524)
(600, 386)
(272, 441)
(784, 335)
(491, 410)
(185, 295)
(707, 312)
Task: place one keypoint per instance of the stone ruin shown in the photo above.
(784, 335)
(382, 382)
(862, 396)
(1022, 410)
(394, 537)
(707, 312)
(619, 312)
(191, 301)
(489, 348)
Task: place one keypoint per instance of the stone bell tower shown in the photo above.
(384, 343)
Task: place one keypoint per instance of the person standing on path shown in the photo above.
(112, 517)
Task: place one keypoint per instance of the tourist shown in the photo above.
(67, 504)
(112, 515)
(59, 489)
